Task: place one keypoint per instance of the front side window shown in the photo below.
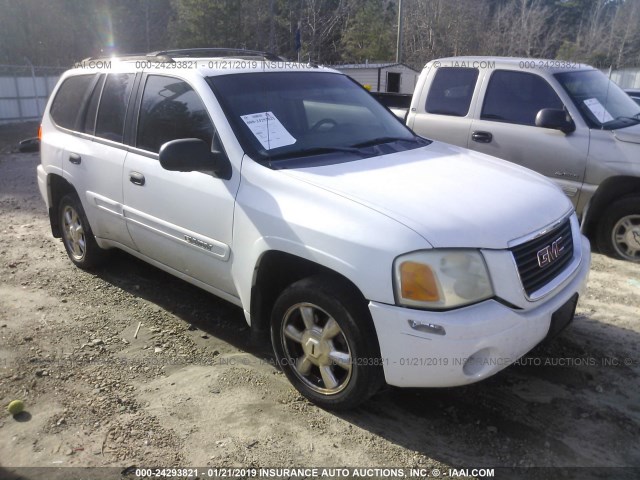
(66, 106)
(113, 106)
(170, 110)
(517, 97)
(451, 91)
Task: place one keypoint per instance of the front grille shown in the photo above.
(539, 262)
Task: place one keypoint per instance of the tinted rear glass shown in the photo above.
(66, 106)
(451, 91)
(89, 123)
(113, 106)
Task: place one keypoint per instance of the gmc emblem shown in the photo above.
(550, 253)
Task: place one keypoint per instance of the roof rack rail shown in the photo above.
(149, 57)
(166, 56)
(218, 52)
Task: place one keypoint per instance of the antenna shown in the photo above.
(606, 97)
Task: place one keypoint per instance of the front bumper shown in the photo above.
(478, 340)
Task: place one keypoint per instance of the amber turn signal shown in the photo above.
(418, 282)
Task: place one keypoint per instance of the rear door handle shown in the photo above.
(481, 137)
(136, 178)
(75, 158)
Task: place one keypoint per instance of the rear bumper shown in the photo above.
(479, 340)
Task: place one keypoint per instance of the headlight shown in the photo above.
(441, 279)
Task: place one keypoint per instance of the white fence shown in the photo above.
(24, 91)
(627, 77)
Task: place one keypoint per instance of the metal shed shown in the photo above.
(382, 77)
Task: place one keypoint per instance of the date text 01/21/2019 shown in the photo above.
(310, 472)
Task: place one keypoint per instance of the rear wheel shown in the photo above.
(77, 236)
(619, 229)
(325, 342)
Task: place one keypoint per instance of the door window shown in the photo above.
(451, 91)
(89, 123)
(113, 106)
(170, 110)
(517, 97)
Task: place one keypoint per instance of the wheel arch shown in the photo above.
(275, 271)
(612, 189)
(57, 187)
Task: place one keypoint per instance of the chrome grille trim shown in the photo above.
(533, 276)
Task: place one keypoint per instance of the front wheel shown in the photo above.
(619, 229)
(77, 236)
(325, 343)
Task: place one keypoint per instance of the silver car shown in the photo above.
(564, 120)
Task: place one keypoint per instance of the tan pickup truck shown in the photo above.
(565, 120)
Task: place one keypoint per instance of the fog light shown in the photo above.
(478, 363)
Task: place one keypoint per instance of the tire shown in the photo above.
(619, 229)
(77, 236)
(325, 342)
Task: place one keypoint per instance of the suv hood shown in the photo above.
(629, 134)
(451, 196)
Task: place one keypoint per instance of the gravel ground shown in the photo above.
(192, 390)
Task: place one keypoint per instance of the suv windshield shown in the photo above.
(298, 115)
(602, 103)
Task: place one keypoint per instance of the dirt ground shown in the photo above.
(191, 389)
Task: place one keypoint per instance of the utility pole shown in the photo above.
(272, 30)
(399, 44)
(146, 31)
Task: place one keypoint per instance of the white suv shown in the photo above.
(369, 253)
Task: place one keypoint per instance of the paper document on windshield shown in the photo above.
(598, 110)
(268, 130)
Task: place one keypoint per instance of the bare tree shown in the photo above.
(320, 21)
(522, 28)
(625, 35)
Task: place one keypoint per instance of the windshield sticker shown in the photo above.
(598, 110)
(268, 130)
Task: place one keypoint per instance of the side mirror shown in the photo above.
(194, 155)
(555, 118)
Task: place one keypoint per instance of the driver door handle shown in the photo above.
(75, 158)
(481, 137)
(136, 178)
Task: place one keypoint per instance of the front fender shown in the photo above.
(277, 212)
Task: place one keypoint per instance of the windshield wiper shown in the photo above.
(380, 140)
(635, 118)
(310, 151)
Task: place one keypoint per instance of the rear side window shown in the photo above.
(171, 109)
(113, 106)
(451, 91)
(66, 106)
(517, 97)
(89, 123)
